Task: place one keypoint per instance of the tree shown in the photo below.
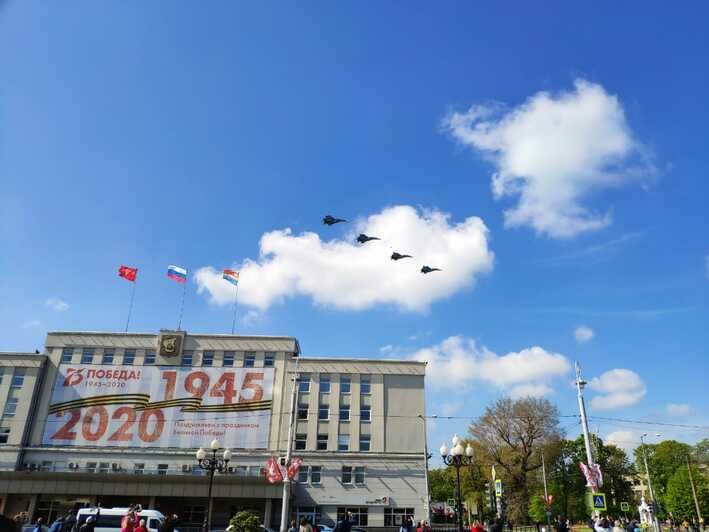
(246, 522)
(512, 433)
(663, 460)
(679, 500)
(701, 451)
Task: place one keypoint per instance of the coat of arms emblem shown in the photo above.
(170, 345)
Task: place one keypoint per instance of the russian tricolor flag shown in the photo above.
(231, 276)
(177, 274)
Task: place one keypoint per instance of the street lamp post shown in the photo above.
(457, 456)
(212, 464)
(655, 522)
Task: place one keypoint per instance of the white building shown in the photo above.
(116, 418)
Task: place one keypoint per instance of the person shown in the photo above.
(345, 525)
(69, 522)
(617, 526)
(477, 527)
(427, 528)
(496, 525)
(89, 525)
(170, 523)
(38, 525)
(130, 520)
(57, 525)
(560, 525)
(293, 527)
(141, 526)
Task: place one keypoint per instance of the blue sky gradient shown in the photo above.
(161, 133)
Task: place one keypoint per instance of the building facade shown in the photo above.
(116, 418)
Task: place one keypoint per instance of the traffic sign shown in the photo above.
(498, 488)
(624, 506)
(598, 501)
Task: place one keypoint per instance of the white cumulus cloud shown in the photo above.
(56, 304)
(457, 361)
(617, 388)
(552, 152)
(583, 334)
(31, 324)
(342, 274)
(625, 439)
(675, 409)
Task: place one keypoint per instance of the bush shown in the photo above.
(246, 522)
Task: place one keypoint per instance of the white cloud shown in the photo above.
(348, 276)
(386, 349)
(675, 409)
(530, 390)
(451, 408)
(617, 388)
(31, 324)
(551, 152)
(458, 361)
(251, 318)
(583, 334)
(56, 304)
(625, 439)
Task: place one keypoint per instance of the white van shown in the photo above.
(109, 519)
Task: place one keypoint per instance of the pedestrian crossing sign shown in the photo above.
(598, 501)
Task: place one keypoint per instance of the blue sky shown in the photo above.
(158, 133)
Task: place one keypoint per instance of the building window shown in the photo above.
(303, 475)
(4, 434)
(359, 475)
(129, 357)
(18, 378)
(87, 356)
(10, 407)
(345, 413)
(365, 413)
(138, 469)
(343, 442)
(268, 359)
(322, 442)
(302, 411)
(323, 413)
(364, 442)
(91, 467)
(107, 357)
(304, 383)
(397, 516)
(249, 360)
(162, 469)
(345, 385)
(228, 360)
(346, 474)
(187, 358)
(324, 384)
(208, 358)
(149, 358)
(104, 467)
(365, 386)
(359, 515)
(300, 440)
(242, 471)
(315, 474)
(67, 353)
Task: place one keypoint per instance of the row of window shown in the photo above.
(365, 413)
(360, 515)
(10, 407)
(343, 442)
(365, 384)
(4, 434)
(18, 377)
(350, 475)
(108, 356)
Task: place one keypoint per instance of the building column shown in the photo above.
(32, 507)
(151, 502)
(3, 502)
(267, 514)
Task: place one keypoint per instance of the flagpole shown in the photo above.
(236, 295)
(182, 305)
(130, 307)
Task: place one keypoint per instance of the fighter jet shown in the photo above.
(426, 269)
(363, 239)
(331, 220)
(399, 256)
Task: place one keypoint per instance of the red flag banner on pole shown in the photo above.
(273, 471)
(293, 467)
(128, 273)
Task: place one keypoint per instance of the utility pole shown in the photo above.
(655, 523)
(425, 465)
(580, 383)
(289, 445)
(694, 491)
(547, 505)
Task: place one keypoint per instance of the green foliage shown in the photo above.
(246, 522)
(700, 452)
(678, 498)
(663, 460)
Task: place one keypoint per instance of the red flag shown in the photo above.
(273, 472)
(128, 273)
(294, 467)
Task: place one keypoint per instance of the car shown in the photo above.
(324, 528)
(109, 519)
